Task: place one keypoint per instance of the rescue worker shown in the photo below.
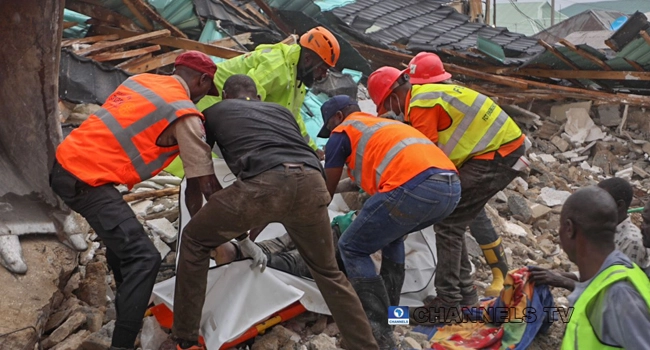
(279, 179)
(281, 72)
(412, 185)
(140, 129)
(481, 140)
(611, 303)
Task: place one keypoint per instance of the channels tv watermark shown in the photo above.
(398, 315)
(496, 314)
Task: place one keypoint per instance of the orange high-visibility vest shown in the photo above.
(118, 143)
(386, 153)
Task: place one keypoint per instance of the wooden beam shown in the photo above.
(290, 40)
(274, 17)
(103, 14)
(178, 43)
(634, 64)
(133, 61)
(645, 36)
(154, 62)
(516, 83)
(107, 46)
(112, 56)
(151, 194)
(67, 25)
(141, 18)
(585, 54)
(558, 54)
(250, 9)
(89, 39)
(583, 74)
(244, 38)
(148, 11)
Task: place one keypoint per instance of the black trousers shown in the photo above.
(131, 254)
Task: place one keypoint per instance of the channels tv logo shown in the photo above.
(398, 315)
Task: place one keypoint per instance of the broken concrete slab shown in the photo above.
(164, 229)
(625, 174)
(92, 289)
(594, 169)
(559, 112)
(63, 331)
(547, 130)
(140, 208)
(609, 115)
(162, 247)
(89, 254)
(322, 342)
(552, 197)
(538, 211)
(560, 143)
(27, 299)
(514, 229)
(100, 340)
(547, 158)
(605, 160)
(519, 208)
(580, 127)
(637, 170)
(72, 342)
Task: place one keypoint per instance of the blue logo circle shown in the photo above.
(398, 312)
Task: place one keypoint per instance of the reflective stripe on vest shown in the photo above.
(465, 138)
(387, 154)
(361, 147)
(163, 111)
(579, 333)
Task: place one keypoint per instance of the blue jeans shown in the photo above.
(387, 217)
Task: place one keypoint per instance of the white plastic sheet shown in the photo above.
(237, 297)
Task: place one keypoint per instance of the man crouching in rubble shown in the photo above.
(412, 184)
(140, 129)
(280, 179)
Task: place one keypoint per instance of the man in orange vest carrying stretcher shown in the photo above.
(142, 126)
(412, 184)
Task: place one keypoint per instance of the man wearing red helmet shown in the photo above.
(484, 143)
(282, 71)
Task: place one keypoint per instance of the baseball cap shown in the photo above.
(329, 109)
(201, 63)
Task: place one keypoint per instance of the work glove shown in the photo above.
(249, 248)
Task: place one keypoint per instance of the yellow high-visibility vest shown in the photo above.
(478, 124)
(579, 332)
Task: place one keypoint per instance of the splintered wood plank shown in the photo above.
(111, 45)
(261, 18)
(111, 56)
(243, 39)
(67, 25)
(133, 61)
(103, 14)
(154, 62)
(179, 43)
(141, 18)
(148, 11)
(89, 39)
(585, 54)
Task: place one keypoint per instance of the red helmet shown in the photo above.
(427, 68)
(323, 43)
(381, 82)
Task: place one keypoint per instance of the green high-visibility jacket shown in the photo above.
(274, 69)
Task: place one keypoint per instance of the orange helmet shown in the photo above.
(323, 43)
(382, 82)
(427, 68)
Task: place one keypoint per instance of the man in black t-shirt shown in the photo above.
(280, 179)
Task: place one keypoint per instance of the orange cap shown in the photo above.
(381, 82)
(323, 43)
(427, 68)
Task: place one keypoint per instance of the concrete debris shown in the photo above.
(580, 127)
(473, 249)
(646, 148)
(281, 338)
(93, 288)
(89, 254)
(319, 326)
(152, 334)
(501, 197)
(149, 184)
(417, 336)
(639, 171)
(163, 229)
(514, 229)
(559, 112)
(552, 197)
(332, 330)
(547, 158)
(594, 169)
(140, 208)
(72, 342)
(410, 343)
(166, 180)
(100, 340)
(70, 325)
(539, 211)
(162, 247)
(322, 342)
(560, 143)
(625, 174)
(609, 115)
(519, 208)
(81, 112)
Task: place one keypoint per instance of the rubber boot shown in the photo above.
(496, 258)
(374, 299)
(393, 275)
